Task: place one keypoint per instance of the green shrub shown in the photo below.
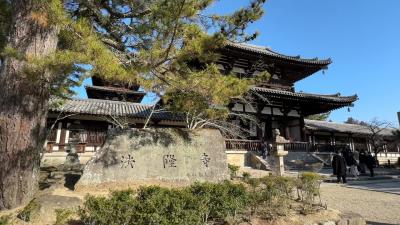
(219, 201)
(63, 216)
(157, 205)
(285, 185)
(308, 186)
(276, 194)
(29, 211)
(233, 170)
(246, 176)
(199, 203)
(118, 209)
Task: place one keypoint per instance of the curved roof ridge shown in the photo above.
(304, 94)
(111, 88)
(99, 101)
(343, 127)
(100, 107)
(268, 51)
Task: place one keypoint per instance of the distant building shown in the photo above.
(277, 106)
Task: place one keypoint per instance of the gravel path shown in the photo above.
(376, 207)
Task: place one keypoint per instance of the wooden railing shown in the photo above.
(96, 138)
(255, 145)
(90, 138)
(238, 144)
(298, 147)
(328, 147)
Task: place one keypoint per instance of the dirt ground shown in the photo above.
(376, 207)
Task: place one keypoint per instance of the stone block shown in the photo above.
(163, 154)
(353, 219)
(356, 221)
(56, 175)
(343, 222)
(328, 223)
(236, 157)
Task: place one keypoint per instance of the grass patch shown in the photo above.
(5, 220)
(29, 211)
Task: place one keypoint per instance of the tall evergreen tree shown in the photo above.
(47, 46)
(320, 117)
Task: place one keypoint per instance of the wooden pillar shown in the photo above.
(369, 148)
(333, 141)
(285, 122)
(268, 128)
(302, 129)
(67, 133)
(351, 142)
(61, 145)
(58, 134)
(258, 128)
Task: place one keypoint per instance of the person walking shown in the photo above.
(353, 165)
(363, 162)
(371, 163)
(264, 150)
(356, 155)
(339, 167)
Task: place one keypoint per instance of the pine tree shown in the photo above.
(320, 117)
(47, 46)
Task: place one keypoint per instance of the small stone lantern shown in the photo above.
(76, 132)
(280, 152)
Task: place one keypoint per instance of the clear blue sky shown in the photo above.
(362, 37)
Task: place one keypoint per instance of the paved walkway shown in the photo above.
(366, 199)
(388, 186)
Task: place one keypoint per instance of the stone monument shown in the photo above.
(157, 155)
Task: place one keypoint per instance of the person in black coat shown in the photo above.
(264, 150)
(371, 163)
(339, 167)
(363, 161)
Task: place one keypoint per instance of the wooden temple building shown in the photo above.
(276, 105)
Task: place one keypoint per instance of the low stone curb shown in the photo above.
(350, 179)
(346, 219)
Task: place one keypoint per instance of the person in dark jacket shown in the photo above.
(363, 162)
(264, 149)
(339, 167)
(371, 163)
(348, 156)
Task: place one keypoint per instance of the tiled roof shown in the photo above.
(99, 107)
(342, 127)
(334, 99)
(268, 52)
(115, 89)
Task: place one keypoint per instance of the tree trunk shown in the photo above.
(23, 106)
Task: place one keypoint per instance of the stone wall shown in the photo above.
(57, 158)
(238, 157)
(164, 154)
(302, 161)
